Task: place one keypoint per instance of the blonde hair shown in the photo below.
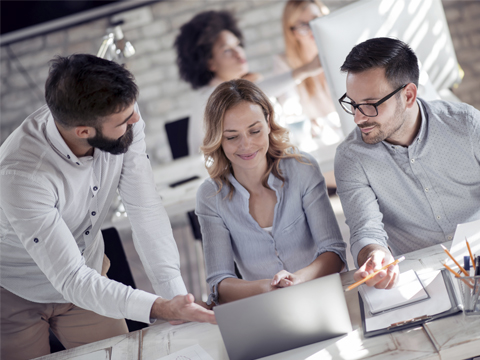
(293, 51)
(226, 96)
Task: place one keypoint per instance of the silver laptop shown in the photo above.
(284, 319)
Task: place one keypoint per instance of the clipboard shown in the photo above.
(418, 320)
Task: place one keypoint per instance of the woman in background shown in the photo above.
(313, 93)
(265, 205)
(209, 52)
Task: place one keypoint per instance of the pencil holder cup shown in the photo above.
(470, 291)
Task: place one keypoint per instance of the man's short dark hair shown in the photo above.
(195, 42)
(81, 89)
(396, 57)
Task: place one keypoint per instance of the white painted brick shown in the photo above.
(159, 27)
(171, 71)
(167, 40)
(149, 77)
(56, 39)
(41, 58)
(88, 31)
(133, 35)
(150, 93)
(271, 29)
(260, 48)
(9, 118)
(27, 46)
(178, 20)
(14, 100)
(138, 64)
(254, 17)
(239, 6)
(134, 18)
(168, 8)
(83, 47)
(250, 34)
(147, 46)
(16, 81)
(166, 56)
(160, 106)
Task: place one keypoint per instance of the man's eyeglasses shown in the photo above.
(370, 110)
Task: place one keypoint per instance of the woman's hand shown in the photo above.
(284, 278)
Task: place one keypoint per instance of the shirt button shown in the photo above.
(413, 160)
(94, 213)
(449, 238)
(87, 232)
(438, 217)
(68, 156)
(77, 163)
(426, 189)
(35, 240)
(148, 157)
(95, 188)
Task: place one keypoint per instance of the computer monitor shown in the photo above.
(419, 23)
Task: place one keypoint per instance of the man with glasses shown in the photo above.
(410, 172)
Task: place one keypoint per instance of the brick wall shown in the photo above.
(152, 30)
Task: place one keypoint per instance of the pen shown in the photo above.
(360, 282)
(466, 264)
(470, 252)
(455, 261)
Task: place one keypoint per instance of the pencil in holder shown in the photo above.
(470, 291)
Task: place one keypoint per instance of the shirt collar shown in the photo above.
(58, 143)
(272, 182)
(420, 134)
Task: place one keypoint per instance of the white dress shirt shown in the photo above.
(51, 210)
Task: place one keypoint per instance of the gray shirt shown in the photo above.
(412, 197)
(304, 226)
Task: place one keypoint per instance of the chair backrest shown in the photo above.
(177, 137)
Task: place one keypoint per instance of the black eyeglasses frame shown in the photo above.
(358, 106)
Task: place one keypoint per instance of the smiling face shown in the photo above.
(115, 134)
(369, 87)
(228, 60)
(245, 137)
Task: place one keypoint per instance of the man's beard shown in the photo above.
(115, 147)
(388, 130)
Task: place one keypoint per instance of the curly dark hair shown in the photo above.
(195, 42)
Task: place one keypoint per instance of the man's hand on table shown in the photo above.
(373, 258)
(180, 309)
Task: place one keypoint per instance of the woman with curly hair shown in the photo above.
(265, 205)
(210, 51)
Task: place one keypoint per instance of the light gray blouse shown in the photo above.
(304, 226)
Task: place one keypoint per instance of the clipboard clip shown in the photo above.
(409, 321)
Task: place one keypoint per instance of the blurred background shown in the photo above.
(35, 31)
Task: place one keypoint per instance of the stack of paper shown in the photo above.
(408, 290)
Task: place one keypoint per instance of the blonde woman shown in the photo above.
(265, 205)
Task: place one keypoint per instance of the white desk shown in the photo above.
(454, 337)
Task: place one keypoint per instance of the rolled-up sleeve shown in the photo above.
(359, 202)
(152, 232)
(321, 218)
(217, 245)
